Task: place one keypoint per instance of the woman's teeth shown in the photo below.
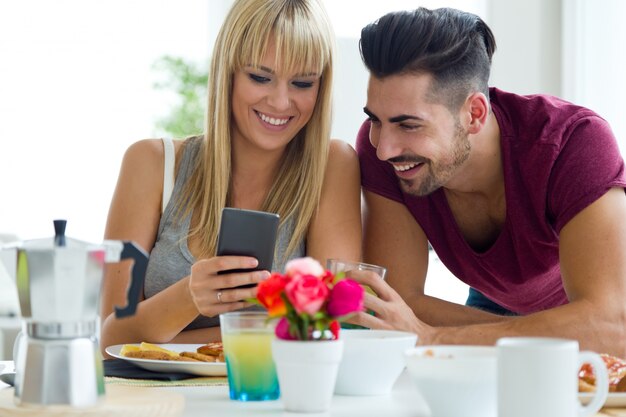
(273, 121)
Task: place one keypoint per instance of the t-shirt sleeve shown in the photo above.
(376, 176)
(588, 165)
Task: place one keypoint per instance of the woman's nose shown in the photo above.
(279, 97)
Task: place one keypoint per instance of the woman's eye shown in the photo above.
(303, 84)
(259, 78)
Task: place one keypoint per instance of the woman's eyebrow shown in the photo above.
(271, 71)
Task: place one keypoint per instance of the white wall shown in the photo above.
(528, 45)
(594, 59)
(570, 48)
(76, 88)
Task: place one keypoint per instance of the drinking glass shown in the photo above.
(339, 265)
(247, 338)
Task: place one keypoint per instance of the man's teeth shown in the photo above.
(406, 167)
(272, 121)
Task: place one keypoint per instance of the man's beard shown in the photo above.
(440, 172)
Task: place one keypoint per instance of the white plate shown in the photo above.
(194, 368)
(1, 368)
(613, 400)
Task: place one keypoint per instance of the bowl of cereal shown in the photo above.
(455, 380)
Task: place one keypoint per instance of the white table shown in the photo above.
(404, 401)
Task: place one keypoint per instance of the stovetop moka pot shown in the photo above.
(58, 280)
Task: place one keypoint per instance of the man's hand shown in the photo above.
(391, 312)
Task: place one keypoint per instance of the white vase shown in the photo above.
(307, 371)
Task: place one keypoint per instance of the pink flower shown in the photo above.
(306, 293)
(282, 330)
(304, 266)
(346, 297)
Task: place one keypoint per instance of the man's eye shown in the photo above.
(259, 78)
(409, 127)
(303, 84)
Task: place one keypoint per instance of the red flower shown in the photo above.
(306, 293)
(269, 294)
(334, 329)
(328, 277)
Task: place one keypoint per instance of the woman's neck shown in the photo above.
(253, 174)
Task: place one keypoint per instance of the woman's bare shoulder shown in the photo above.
(145, 151)
(341, 153)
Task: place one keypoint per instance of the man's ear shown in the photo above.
(477, 110)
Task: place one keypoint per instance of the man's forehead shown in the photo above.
(399, 94)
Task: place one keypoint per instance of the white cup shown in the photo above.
(538, 377)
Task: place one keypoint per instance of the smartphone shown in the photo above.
(248, 233)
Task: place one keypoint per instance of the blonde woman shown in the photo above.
(266, 147)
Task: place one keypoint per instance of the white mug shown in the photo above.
(538, 377)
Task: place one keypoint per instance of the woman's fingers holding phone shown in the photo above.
(228, 263)
(214, 290)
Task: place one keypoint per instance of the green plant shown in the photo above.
(188, 82)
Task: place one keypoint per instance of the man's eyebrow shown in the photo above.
(369, 113)
(395, 119)
(403, 117)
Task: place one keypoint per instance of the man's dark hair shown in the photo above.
(455, 47)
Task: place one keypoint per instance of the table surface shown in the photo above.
(403, 401)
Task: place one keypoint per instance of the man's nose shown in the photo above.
(386, 144)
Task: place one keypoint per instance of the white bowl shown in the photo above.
(372, 360)
(455, 380)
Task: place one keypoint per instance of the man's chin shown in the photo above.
(410, 187)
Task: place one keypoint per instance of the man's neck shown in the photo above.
(482, 173)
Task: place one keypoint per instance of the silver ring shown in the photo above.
(219, 296)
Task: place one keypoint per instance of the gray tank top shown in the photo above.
(170, 258)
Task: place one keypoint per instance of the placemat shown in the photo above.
(118, 401)
(123, 369)
(121, 372)
(211, 381)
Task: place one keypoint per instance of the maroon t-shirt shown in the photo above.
(558, 158)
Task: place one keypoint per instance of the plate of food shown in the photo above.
(613, 400)
(616, 368)
(195, 359)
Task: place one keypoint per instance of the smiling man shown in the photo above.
(522, 197)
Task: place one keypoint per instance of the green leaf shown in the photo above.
(189, 83)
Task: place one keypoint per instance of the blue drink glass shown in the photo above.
(247, 338)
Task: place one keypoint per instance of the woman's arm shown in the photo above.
(134, 215)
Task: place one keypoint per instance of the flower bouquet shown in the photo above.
(309, 301)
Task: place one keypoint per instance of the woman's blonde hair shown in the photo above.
(304, 43)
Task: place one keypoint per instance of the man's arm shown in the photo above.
(593, 267)
(393, 239)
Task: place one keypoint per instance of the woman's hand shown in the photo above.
(214, 294)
